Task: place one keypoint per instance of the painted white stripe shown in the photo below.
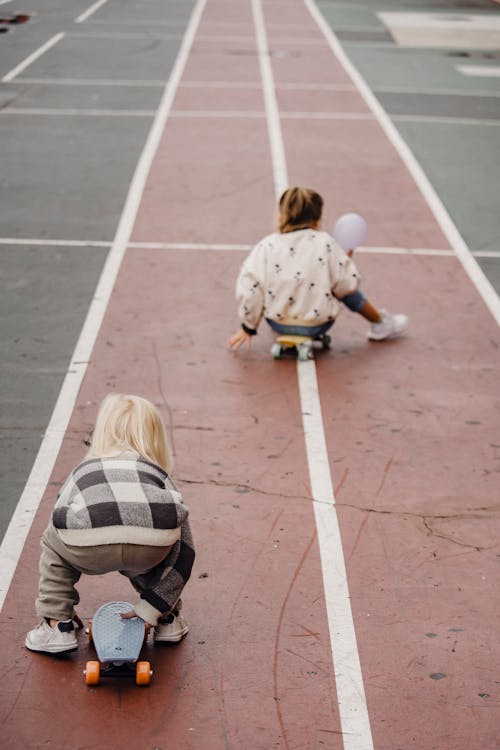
(188, 246)
(481, 71)
(52, 243)
(472, 268)
(121, 35)
(225, 247)
(27, 507)
(52, 112)
(435, 92)
(4, 2)
(444, 120)
(231, 114)
(89, 82)
(272, 112)
(258, 86)
(93, 8)
(31, 58)
(353, 711)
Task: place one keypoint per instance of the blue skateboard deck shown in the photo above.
(118, 643)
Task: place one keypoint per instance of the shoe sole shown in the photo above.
(389, 336)
(172, 640)
(47, 650)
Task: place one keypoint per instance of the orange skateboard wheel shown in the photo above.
(143, 673)
(92, 673)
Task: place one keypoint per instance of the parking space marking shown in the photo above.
(34, 56)
(483, 71)
(93, 8)
(443, 120)
(58, 112)
(89, 82)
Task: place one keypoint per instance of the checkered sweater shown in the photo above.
(128, 500)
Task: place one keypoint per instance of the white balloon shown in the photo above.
(350, 231)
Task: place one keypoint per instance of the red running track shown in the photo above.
(410, 428)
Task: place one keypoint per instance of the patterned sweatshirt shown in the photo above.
(295, 278)
(129, 500)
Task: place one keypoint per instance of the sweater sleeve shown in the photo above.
(344, 276)
(250, 289)
(161, 587)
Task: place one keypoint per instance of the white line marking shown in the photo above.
(280, 174)
(121, 35)
(472, 268)
(4, 2)
(353, 711)
(258, 86)
(435, 92)
(225, 247)
(88, 82)
(27, 507)
(211, 113)
(482, 71)
(31, 58)
(50, 242)
(187, 246)
(444, 120)
(86, 14)
(51, 112)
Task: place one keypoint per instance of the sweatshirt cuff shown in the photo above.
(146, 612)
(250, 331)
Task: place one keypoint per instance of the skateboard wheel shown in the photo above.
(276, 351)
(92, 673)
(143, 673)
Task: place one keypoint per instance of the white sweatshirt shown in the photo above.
(295, 278)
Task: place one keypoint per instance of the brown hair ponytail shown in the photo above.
(300, 208)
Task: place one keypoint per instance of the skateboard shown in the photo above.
(118, 643)
(302, 345)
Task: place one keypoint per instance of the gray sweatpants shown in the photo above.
(61, 566)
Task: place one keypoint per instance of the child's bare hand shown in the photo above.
(133, 613)
(238, 339)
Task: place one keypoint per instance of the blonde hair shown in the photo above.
(300, 208)
(130, 423)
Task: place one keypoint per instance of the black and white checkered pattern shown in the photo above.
(130, 500)
(119, 492)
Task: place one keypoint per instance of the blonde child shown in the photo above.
(119, 510)
(296, 276)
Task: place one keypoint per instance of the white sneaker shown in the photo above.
(55, 640)
(389, 327)
(173, 631)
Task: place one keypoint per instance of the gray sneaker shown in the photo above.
(172, 629)
(55, 640)
(389, 327)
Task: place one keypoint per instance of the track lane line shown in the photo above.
(22, 518)
(353, 710)
(470, 265)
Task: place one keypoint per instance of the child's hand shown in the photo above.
(238, 339)
(133, 613)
